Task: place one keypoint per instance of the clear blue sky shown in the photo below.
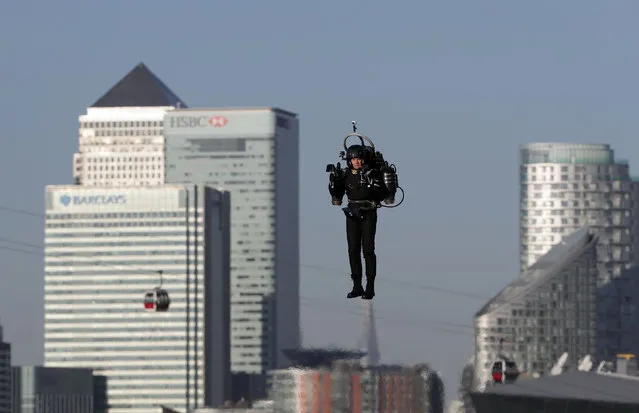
(448, 89)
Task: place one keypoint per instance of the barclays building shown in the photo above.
(105, 248)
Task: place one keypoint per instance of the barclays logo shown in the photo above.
(66, 200)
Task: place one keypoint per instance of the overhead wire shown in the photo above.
(304, 300)
(409, 284)
(330, 271)
(441, 326)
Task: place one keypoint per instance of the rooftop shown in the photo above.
(139, 88)
(568, 153)
(238, 109)
(575, 385)
(320, 357)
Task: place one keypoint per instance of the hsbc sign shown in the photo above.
(196, 122)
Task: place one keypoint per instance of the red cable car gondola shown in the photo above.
(157, 299)
(504, 371)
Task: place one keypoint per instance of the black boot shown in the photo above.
(357, 290)
(369, 293)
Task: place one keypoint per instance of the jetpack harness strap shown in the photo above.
(357, 209)
(364, 204)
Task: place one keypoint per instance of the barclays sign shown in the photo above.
(67, 200)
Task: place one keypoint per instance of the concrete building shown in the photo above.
(546, 311)
(104, 249)
(253, 154)
(566, 186)
(39, 389)
(121, 142)
(5, 375)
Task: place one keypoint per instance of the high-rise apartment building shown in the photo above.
(121, 142)
(566, 186)
(253, 154)
(546, 311)
(104, 249)
(5, 376)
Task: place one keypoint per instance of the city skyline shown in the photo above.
(91, 120)
(447, 92)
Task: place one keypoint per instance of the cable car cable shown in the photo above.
(330, 271)
(329, 305)
(407, 283)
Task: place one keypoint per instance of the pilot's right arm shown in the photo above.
(337, 188)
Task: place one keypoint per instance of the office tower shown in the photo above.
(105, 248)
(253, 154)
(546, 311)
(618, 327)
(566, 186)
(121, 142)
(5, 375)
(52, 390)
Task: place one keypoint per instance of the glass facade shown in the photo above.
(53, 390)
(5, 376)
(617, 305)
(254, 154)
(548, 310)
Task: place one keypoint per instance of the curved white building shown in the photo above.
(565, 186)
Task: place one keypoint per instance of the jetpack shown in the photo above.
(373, 159)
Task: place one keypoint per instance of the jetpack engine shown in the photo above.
(373, 159)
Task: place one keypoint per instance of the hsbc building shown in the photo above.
(253, 154)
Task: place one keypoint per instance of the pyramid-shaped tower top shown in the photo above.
(139, 88)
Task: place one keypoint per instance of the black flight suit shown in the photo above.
(365, 190)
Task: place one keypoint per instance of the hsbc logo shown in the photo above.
(174, 122)
(218, 121)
